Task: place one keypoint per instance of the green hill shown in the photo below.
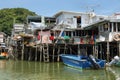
(10, 15)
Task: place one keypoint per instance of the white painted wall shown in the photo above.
(86, 18)
(66, 18)
(115, 16)
(1, 38)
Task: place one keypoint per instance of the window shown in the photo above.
(68, 33)
(114, 27)
(74, 34)
(57, 21)
(101, 28)
(110, 27)
(78, 21)
(105, 27)
(101, 18)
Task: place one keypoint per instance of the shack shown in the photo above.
(108, 38)
(45, 38)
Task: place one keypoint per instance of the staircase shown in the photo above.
(45, 52)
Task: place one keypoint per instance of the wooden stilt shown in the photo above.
(16, 53)
(86, 51)
(65, 48)
(58, 58)
(61, 47)
(22, 56)
(40, 47)
(11, 53)
(108, 51)
(70, 50)
(78, 49)
(96, 51)
(93, 50)
(101, 51)
(36, 53)
(119, 48)
(53, 52)
(29, 54)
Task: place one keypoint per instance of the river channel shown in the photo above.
(24, 70)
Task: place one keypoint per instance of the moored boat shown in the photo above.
(2, 57)
(82, 62)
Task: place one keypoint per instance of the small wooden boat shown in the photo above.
(2, 57)
(82, 62)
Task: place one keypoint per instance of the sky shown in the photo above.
(51, 7)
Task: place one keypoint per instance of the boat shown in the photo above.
(2, 57)
(82, 62)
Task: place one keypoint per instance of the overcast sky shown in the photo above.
(51, 7)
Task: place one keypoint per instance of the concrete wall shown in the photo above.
(67, 19)
(86, 18)
(2, 37)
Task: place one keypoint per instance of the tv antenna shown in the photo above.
(91, 8)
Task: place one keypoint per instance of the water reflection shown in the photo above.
(24, 70)
(115, 71)
(2, 64)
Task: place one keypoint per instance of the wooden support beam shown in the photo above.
(101, 51)
(40, 48)
(108, 52)
(29, 58)
(78, 49)
(119, 48)
(22, 56)
(58, 58)
(36, 52)
(53, 55)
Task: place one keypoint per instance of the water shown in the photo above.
(24, 70)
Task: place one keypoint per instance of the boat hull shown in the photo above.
(2, 57)
(79, 62)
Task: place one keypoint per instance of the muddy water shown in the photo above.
(24, 70)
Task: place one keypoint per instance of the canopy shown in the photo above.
(66, 37)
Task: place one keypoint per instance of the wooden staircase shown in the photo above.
(45, 52)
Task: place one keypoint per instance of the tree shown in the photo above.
(9, 15)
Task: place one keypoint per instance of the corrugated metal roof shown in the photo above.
(94, 25)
